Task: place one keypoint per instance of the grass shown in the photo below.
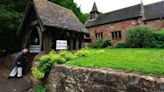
(161, 31)
(146, 61)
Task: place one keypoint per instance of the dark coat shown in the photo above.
(19, 59)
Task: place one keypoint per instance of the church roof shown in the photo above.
(53, 15)
(154, 11)
(114, 16)
(94, 9)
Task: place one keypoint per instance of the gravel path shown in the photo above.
(14, 84)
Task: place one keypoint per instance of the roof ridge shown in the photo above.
(154, 3)
(52, 14)
(120, 9)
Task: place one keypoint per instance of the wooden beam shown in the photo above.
(77, 41)
(47, 41)
(71, 44)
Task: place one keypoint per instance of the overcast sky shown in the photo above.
(109, 5)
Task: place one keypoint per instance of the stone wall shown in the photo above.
(69, 79)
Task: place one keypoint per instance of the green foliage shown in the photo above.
(158, 36)
(41, 88)
(121, 45)
(99, 44)
(58, 59)
(37, 73)
(91, 45)
(71, 5)
(9, 21)
(43, 66)
(144, 37)
(158, 41)
(160, 31)
(107, 43)
(17, 5)
(45, 58)
(68, 55)
(82, 53)
(139, 37)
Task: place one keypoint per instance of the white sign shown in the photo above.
(61, 44)
(34, 49)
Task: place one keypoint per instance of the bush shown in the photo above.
(45, 58)
(99, 44)
(91, 45)
(158, 41)
(121, 45)
(158, 36)
(82, 53)
(41, 88)
(68, 55)
(37, 73)
(45, 63)
(43, 66)
(139, 37)
(107, 43)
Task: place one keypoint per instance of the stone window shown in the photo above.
(99, 36)
(116, 35)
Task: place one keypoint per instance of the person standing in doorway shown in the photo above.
(18, 64)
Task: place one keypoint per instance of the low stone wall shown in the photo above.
(8, 61)
(69, 79)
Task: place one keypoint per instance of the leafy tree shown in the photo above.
(17, 5)
(9, 21)
(71, 5)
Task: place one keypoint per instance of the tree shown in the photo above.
(9, 21)
(71, 5)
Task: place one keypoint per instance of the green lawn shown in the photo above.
(146, 61)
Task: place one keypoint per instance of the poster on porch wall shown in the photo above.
(61, 44)
(34, 48)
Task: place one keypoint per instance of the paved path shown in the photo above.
(12, 85)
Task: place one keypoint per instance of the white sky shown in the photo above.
(109, 5)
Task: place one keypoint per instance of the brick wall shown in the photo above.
(106, 29)
(157, 24)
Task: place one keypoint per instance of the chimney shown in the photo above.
(143, 11)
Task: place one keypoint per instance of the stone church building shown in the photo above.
(113, 24)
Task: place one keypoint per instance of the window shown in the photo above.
(99, 36)
(116, 35)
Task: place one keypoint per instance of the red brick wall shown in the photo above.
(106, 29)
(157, 24)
